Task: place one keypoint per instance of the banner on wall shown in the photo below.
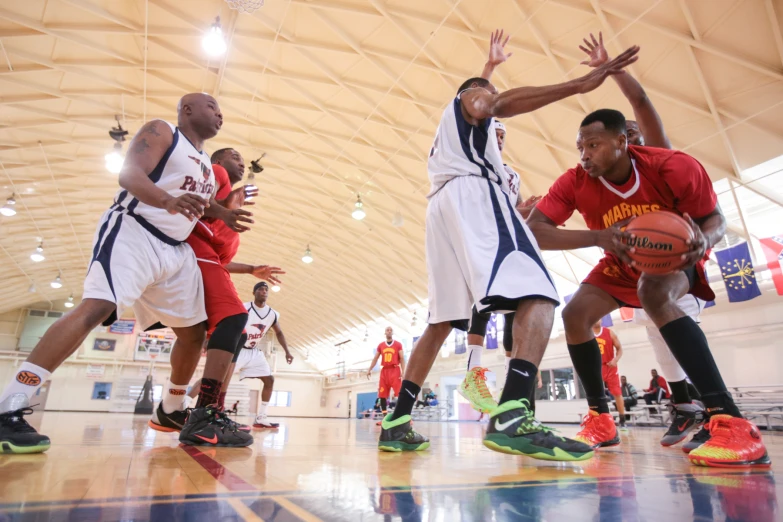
(773, 251)
(104, 345)
(738, 274)
(95, 371)
(492, 332)
(123, 326)
(460, 342)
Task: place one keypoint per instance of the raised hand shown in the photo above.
(596, 77)
(527, 206)
(189, 205)
(268, 273)
(595, 50)
(697, 247)
(234, 219)
(238, 197)
(496, 48)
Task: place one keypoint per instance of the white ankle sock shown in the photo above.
(173, 397)
(27, 380)
(505, 367)
(262, 409)
(474, 356)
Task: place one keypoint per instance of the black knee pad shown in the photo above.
(227, 333)
(478, 323)
(508, 331)
(240, 346)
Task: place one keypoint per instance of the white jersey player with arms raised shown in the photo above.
(138, 257)
(251, 362)
(480, 252)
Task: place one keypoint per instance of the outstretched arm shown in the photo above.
(618, 349)
(650, 124)
(263, 272)
(480, 104)
(496, 53)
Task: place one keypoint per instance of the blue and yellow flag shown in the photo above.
(738, 273)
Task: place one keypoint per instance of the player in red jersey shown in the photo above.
(215, 246)
(613, 183)
(611, 352)
(392, 367)
(648, 131)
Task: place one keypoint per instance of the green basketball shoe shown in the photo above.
(474, 389)
(398, 435)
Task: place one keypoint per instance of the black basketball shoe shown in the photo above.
(398, 435)
(167, 422)
(205, 427)
(16, 435)
(685, 418)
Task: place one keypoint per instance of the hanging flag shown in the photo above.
(773, 251)
(626, 314)
(460, 342)
(709, 304)
(738, 274)
(492, 332)
(606, 321)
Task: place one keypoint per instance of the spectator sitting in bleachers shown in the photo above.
(658, 390)
(430, 399)
(630, 395)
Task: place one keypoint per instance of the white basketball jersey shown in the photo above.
(513, 184)
(259, 321)
(462, 149)
(182, 170)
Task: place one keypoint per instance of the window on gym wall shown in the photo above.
(281, 399)
(101, 391)
(559, 384)
(544, 393)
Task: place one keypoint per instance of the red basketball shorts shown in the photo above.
(391, 379)
(220, 296)
(611, 379)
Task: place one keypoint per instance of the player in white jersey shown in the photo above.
(480, 252)
(251, 361)
(138, 258)
(648, 130)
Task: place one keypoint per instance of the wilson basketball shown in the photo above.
(660, 241)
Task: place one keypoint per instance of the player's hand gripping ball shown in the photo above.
(660, 239)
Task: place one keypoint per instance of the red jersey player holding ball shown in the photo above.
(392, 367)
(611, 351)
(614, 182)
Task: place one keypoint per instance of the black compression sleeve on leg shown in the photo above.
(689, 346)
(587, 363)
(240, 347)
(680, 393)
(478, 323)
(408, 393)
(227, 333)
(508, 332)
(383, 405)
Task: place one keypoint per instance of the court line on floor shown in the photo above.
(243, 510)
(218, 471)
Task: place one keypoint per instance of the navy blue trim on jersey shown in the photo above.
(101, 232)
(523, 242)
(505, 242)
(157, 172)
(104, 254)
(464, 130)
(191, 143)
(255, 311)
(152, 229)
(120, 198)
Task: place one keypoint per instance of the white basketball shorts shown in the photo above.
(479, 251)
(132, 268)
(252, 363)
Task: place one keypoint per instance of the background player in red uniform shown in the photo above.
(614, 182)
(215, 246)
(611, 352)
(392, 367)
(648, 131)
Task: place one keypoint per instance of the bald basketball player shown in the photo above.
(139, 257)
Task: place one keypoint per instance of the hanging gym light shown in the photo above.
(275, 288)
(69, 302)
(308, 256)
(57, 283)
(358, 212)
(8, 210)
(38, 256)
(115, 158)
(213, 42)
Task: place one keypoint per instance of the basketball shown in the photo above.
(660, 241)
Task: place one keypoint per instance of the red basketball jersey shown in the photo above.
(390, 354)
(662, 179)
(224, 240)
(606, 345)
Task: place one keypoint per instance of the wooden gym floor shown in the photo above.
(106, 467)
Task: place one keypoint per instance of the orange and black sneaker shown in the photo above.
(734, 442)
(206, 427)
(598, 430)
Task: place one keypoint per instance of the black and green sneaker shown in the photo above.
(514, 429)
(398, 435)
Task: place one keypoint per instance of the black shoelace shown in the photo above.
(16, 420)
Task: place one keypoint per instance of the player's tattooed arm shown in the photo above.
(497, 54)
(147, 148)
(650, 124)
(707, 231)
